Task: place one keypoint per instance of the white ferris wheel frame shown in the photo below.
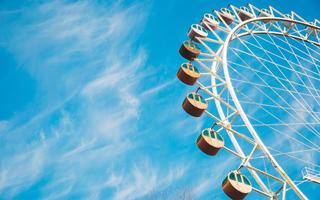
(222, 57)
(240, 109)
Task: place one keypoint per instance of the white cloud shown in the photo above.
(158, 88)
(60, 188)
(118, 74)
(202, 187)
(81, 54)
(145, 178)
(3, 125)
(113, 180)
(21, 170)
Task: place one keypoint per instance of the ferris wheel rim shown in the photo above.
(274, 32)
(237, 102)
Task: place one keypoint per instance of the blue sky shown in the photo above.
(90, 107)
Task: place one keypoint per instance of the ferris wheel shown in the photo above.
(256, 79)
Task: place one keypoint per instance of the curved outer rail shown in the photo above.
(233, 95)
(232, 137)
(280, 34)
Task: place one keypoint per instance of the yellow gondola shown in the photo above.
(188, 74)
(197, 30)
(236, 185)
(226, 15)
(210, 142)
(244, 13)
(194, 104)
(209, 20)
(265, 13)
(189, 50)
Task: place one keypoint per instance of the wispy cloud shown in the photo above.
(82, 55)
(145, 178)
(157, 88)
(84, 130)
(21, 170)
(3, 125)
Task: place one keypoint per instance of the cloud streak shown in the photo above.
(82, 55)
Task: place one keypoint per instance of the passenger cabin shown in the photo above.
(189, 50)
(196, 30)
(226, 15)
(310, 30)
(210, 142)
(209, 20)
(188, 74)
(236, 185)
(244, 13)
(265, 13)
(287, 24)
(194, 104)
